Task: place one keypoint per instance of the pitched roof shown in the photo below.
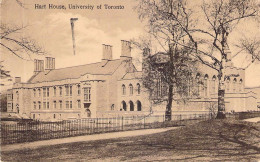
(134, 75)
(99, 68)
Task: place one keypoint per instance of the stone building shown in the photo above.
(113, 87)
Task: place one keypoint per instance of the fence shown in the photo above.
(34, 131)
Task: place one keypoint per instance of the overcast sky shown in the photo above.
(52, 30)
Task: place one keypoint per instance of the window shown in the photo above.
(214, 84)
(131, 105)
(39, 104)
(206, 85)
(34, 105)
(123, 90)
(44, 105)
(234, 84)
(78, 89)
(198, 84)
(71, 104)
(67, 104)
(48, 105)
(131, 89)
(54, 116)
(240, 84)
(54, 105)
(123, 106)
(44, 92)
(60, 91)
(71, 90)
(67, 90)
(54, 91)
(60, 104)
(113, 107)
(228, 84)
(79, 104)
(48, 92)
(39, 90)
(17, 96)
(33, 116)
(139, 106)
(138, 88)
(34, 92)
(87, 94)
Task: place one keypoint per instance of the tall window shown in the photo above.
(60, 91)
(48, 105)
(48, 92)
(44, 105)
(87, 94)
(139, 106)
(67, 104)
(206, 85)
(228, 84)
(17, 96)
(234, 84)
(71, 104)
(67, 90)
(34, 92)
(60, 104)
(138, 88)
(123, 90)
(44, 92)
(39, 90)
(214, 84)
(198, 84)
(70, 90)
(131, 89)
(54, 91)
(79, 104)
(78, 89)
(39, 104)
(34, 105)
(131, 105)
(54, 105)
(240, 85)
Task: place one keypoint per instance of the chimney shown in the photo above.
(49, 63)
(107, 52)
(38, 66)
(17, 79)
(126, 48)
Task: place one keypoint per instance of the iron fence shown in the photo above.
(36, 130)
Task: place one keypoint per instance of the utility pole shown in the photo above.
(72, 20)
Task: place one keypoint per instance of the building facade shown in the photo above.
(113, 87)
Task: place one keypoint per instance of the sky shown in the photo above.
(51, 29)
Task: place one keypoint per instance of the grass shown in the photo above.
(214, 140)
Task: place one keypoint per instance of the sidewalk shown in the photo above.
(36, 144)
(253, 120)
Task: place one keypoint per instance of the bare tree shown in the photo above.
(219, 19)
(167, 73)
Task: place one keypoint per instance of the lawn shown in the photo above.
(214, 140)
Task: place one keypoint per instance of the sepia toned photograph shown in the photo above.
(130, 80)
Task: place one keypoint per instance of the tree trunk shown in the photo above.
(168, 113)
(221, 101)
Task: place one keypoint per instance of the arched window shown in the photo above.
(214, 84)
(131, 105)
(131, 91)
(88, 113)
(198, 83)
(138, 88)
(54, 91)
(123, 105)
(113, 107)
(240, 84)
(234, 84)
(123, 89)
(228, 84)
(139, 106)
(206, 85)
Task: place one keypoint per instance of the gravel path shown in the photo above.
(85, 138)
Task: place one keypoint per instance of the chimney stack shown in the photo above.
(17, 79)
(49, 63)
(126, 48)
(38, 66)
(107, 52)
